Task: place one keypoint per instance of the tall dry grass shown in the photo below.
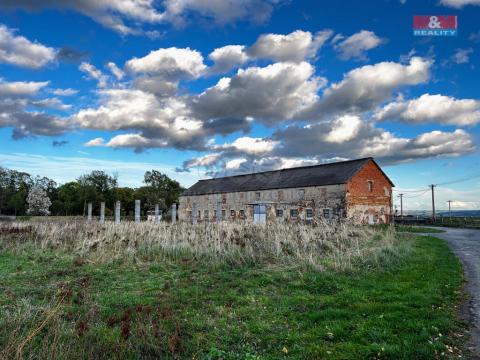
(338, 245)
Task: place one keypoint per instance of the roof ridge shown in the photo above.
(292, 168)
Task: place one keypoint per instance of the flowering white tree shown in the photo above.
(38, 201)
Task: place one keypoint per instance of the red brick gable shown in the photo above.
(358, 186)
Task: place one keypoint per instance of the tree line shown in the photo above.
(71, 198)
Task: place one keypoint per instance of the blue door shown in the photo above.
(259, 214)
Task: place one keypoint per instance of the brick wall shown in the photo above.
(366, 204)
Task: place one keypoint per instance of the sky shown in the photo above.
(204, 88)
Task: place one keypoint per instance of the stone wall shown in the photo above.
(239, 205)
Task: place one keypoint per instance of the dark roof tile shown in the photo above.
(316, 175)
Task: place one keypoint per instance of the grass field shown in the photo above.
(396, 303)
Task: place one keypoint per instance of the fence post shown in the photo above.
(174, 213)
(194, 213)
(117, 212)
(89, 218)
(102, 213)
(137, 211)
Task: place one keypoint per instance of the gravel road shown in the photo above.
(465, 243)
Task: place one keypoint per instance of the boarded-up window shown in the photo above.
(205, 214)
(257, 196)
(370, 185)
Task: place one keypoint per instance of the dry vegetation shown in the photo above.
(336, 245)
(77, 290)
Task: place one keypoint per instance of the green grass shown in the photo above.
(417, 229)
(189, 309)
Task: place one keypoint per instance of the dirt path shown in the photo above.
(465, 243)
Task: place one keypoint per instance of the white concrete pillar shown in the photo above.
(194, 213)
(102, 213)
(137, 211)
(174, 213)
(117, 212)
(89, 216)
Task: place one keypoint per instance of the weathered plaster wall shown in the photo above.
(316, 198)
(365, 206)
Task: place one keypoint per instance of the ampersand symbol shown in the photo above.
(434, 23)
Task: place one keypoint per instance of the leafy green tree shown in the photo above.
(160, 189)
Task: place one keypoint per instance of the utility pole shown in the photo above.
(401, 205)
(449, 208)
(433, 201)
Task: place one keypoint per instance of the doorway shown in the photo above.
(259, 214)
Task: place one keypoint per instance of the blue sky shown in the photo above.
(202, 88)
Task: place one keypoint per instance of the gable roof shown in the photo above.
(305, 176)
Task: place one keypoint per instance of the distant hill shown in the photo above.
(454, 213)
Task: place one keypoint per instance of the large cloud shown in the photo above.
(171, 63)
(296, 46)
(273, 93)
(356, 45)
(21, 88)
(428, 108)
(227, 57)
(127, 16)
(362, 89)
(20, 51)
(458, 4)
(15, 99)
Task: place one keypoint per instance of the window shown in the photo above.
(301, 193)
(385, 190)
(224, 214)
(242, 214)
(370, 185)
(309, 213)
(215, 214)
(293, 213)
(280, 195)
(205, 214)
(189, 214)
(199, 214)
(279, 213)
(326, 213)
(232, 213)
(224, 199)
(257, 196)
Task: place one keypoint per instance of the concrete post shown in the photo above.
(137, 211)
(174, 213)
(102, 213)
(194, 213)
(157, 213)
(89, 218)
(219, 212)
(117, 212)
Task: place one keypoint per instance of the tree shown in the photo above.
(96, 187)
(38, 201)
(160, 189)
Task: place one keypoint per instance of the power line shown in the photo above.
(415, 196)
(409, 191)
(459, 180)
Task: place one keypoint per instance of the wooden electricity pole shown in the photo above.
(401, 205)
(449, 208)
(433, 201)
